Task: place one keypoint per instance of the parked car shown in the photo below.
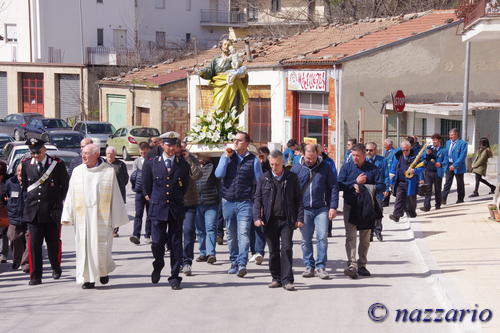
(14, 124)
(99, 132)
(64, 155)
(19, 148)
(64, 139)
(38, 126)
(4, 139)
(126, 140)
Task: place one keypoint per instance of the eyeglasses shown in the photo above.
(370, 150)
(38, 152)
(405, 149)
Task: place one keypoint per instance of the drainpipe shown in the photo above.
(132, 91)
(30, 34)
(466, 91)
(81, 33)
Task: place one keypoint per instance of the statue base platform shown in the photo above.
(210, 150)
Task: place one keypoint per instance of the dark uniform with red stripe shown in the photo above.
(42, 212)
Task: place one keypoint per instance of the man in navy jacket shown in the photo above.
(435, 167)
(321, 196)
(165, 182)
(356, 176)
(457, 154)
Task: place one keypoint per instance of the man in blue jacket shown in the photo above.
(389, 152)
(457, 154)
(404, 188)
(380, 163)
(356, 177)
(435, 167)
(240, 171)
(321, 196)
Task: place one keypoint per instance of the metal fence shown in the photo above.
(213, 16)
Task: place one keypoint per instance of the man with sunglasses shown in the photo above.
(405, 188)
(381, 164)
(240, 170)
(45, 182)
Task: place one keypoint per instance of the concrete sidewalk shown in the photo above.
(462, 246)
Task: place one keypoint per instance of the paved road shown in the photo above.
(213, 301)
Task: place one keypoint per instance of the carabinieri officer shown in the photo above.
(165, 181)
(45, 180)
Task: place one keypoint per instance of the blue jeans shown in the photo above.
(257, 240)
(206, 227)
(220, 222)
(315, 219)
(238, 218)
(189, 236)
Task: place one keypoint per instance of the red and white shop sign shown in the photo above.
(307, 80)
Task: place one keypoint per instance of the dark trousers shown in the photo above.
(189, 235)
(432, 180)
(141, 205)
(377, 227)
(404, 203)
(161, 232)
(257, 240)
(279, 234)
(449, 182)
(4, 240)
(220, 222)
(480, 178)
(17, 238)
(387, 200)
(51, 232)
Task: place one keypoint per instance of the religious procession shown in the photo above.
(249, 198)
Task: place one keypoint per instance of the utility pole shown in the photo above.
(466, 91)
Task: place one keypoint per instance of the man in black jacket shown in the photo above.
(45, 181)
(278, 208)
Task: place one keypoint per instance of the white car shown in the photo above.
(18, 148)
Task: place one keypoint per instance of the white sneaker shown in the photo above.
(259, 259)
(147, 240)
(253, 258)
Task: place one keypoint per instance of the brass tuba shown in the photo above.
(409, 173)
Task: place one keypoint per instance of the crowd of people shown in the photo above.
(258, 199)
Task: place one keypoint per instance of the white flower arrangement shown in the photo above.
(215, 127)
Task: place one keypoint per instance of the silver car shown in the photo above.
(98, 131)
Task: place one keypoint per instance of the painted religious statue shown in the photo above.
(229, 80)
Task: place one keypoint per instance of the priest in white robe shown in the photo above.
(94, 205)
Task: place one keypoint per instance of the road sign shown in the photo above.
(399, 101)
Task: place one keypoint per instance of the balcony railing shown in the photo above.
(472, 10)
(224, 17)
(101, 55)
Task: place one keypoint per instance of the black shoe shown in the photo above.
(135, 240)
(394, 218)
(155, 276)
(473, 195)
(202, 259)
(438, 207)
(176, 285)
(88, 285)
(460, 201)
(104, 279)
(423, 209)
(330, 234)
(15, 266)
(220, 240)
(211, 259)
(56, 273)
(35, 282)
(379, 236)
(493, 189)
(363, 271)
(351, 272)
